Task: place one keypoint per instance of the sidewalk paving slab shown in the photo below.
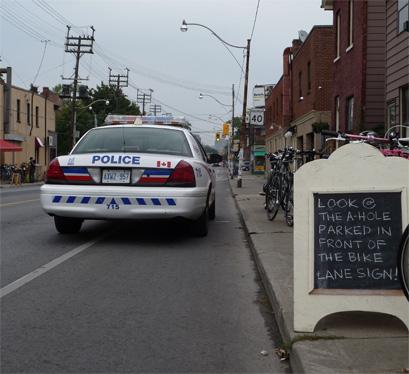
(354, 342)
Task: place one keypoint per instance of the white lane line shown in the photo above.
(19, 202)
(47, 267)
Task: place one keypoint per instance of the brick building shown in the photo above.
(302, 97)
(278, 106)
(28, 121)
(359, 65)
(397, 64)
(311, 87)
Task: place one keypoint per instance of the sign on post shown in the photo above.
(256, 117)
(349, 214)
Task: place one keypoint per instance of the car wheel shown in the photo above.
(67, 225)
(212, 210)
(201, 225)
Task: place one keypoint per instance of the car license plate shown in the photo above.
(116, 176)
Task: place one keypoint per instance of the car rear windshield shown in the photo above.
(135, 139)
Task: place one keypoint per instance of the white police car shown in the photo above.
(132, 171)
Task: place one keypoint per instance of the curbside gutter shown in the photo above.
(295, 360)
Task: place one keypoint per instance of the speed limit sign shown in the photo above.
(257, 117)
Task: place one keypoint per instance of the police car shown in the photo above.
(126, 170)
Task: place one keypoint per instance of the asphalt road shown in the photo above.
(145, 297)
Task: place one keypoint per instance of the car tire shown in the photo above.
(200, 227)
(212, 210)
(67, 225)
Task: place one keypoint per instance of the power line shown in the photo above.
(53, 13)
(59, 15)
(42, 59)
(21, 25)
(24, 25)
(255, 19)
(35, 17)
(192, 86)
(14, 71)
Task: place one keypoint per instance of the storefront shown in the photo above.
(258, 159)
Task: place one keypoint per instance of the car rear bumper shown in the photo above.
(109, 202)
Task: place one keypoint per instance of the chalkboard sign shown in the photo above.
(356, 240)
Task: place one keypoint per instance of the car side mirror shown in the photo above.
(214, 158)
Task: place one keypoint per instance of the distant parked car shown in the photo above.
(245, 166)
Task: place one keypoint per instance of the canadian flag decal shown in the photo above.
(163, 164)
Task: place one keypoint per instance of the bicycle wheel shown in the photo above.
(273, 198)
(403, 262)
(289, 206)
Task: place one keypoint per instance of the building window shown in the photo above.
(403, 15)
(391, 114)
(28, 113)
(337, 113)
(18, 110)
(37, 117)
(404, 109)
(351, 23)
(338, 36)
(309, 76)
(350, 113)
(300, 86)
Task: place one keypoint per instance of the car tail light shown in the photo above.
(54, 172)
(183, 176)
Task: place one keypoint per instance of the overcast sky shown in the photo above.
(145, 36)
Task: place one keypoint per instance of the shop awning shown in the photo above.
(259, 154)
(39, 143)
(6, 146)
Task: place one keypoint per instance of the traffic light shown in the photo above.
(83, 92)
(66, 91)
(217, 137)
(226, 130)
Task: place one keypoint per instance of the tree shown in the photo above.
(236, 127)
(85, 116)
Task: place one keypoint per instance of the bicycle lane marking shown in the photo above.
(19, 202)
(13, 286)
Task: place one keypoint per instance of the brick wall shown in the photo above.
(316, 55)
(274, 110)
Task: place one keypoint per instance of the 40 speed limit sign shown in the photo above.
(257, 117)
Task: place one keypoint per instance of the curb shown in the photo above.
(295, 359)
(24, 185)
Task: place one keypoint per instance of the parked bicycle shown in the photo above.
(279, 189)
(390, 145)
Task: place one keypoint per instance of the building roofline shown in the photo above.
(30, 92)
(315, 27)
(327, 4)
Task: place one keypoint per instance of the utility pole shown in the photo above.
(118, 81)
(156, 109)
(144, 98)
(77, 45)
(231, 154)
(243, 129)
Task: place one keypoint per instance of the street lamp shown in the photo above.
(89, 107)
(201, 96)
(212, 116)
(184, 28)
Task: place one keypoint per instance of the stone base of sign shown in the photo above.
(353, 168)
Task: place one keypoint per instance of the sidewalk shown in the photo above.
(23, 185)
(343, 343)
